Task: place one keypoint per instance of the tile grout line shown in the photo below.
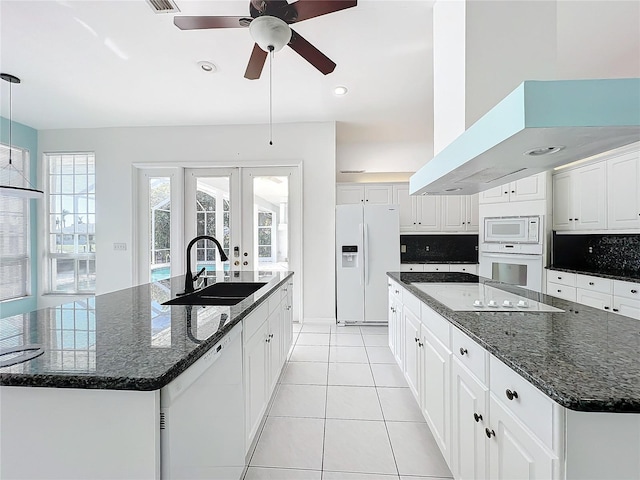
(386, 428)
(326, 400)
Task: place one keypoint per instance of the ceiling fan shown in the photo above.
(269, 27)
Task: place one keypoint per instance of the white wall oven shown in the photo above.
(511, 251)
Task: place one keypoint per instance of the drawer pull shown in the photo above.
(416, 339)
(490, 433)
(615, 310)
(511, 394)
(591, 283)
(271, 335)
(463, 351)
(606, 308)
(477, 417)
(634, 291)
(559, 291)
(420, 344)
(559, 278)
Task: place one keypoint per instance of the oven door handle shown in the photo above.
(515, 256)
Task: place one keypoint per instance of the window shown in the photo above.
(72, 223)
(14, 228)
(265, 236)
(160, 227)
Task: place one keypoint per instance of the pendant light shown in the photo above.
(9, 189)
(271, 34)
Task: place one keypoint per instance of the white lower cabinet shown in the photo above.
(514, 453)
(269, 331)
(396, 335)
(435, 396)
(488, 421)
(469, 446)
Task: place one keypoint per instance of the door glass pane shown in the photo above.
(160, 227)
(212, 218)
(271, 219)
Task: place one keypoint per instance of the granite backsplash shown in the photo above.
(597, 253)
(438, 248)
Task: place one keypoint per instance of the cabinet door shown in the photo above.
(514, 453)
(466, 268)
(472, 213)
(255, 374)
(411, 357)
(428, 213)
(274, 341)
(590, 197)
(468, 418)
(349, 194)
(408, 210)
(435, 393)
(627, 307)
(437, 267)
(454, 213)
(495, 195)
(599, 300)
(529, 188)
(562, 201)
(378, 194)
(623, 182)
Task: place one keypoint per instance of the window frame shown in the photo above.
(24, 258)
(50, 254)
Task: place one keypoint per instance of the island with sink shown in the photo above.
(143, 382)
(517, 384)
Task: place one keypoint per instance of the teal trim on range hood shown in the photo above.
(584, 117)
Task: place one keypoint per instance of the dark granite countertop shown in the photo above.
(624, 275)
(440, 262)
(125, 340)
(583, 358)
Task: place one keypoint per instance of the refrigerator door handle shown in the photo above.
(366, 255)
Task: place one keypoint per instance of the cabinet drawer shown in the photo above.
(411, 302)
(411, 267)
(595, 284)
(626, 289)
(561, 291)
(436, 267)
(532, 407)
(463, 268)
(395, 289)
(252, 322)
(563, 278)
(470, 354)
(439, 327)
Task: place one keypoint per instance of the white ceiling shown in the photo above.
(86, 64)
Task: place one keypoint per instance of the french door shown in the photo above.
(255, 214)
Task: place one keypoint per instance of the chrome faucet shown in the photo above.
(190, 277)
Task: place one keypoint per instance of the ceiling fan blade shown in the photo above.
(187, 22)
(314, 8)
(256, 62)
(311, 54)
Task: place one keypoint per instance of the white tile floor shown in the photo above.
(343, 411)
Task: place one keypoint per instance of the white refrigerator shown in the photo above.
(367, 247)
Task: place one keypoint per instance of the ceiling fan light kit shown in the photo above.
(270, 33)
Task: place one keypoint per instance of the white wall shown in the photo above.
(311, 145)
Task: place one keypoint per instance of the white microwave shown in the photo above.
(512, 230)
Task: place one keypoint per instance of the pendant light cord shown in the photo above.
(270, 96)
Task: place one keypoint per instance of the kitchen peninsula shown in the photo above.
(93, 404)
(531, 386)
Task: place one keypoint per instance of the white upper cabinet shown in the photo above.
(529, 188)
(579, 198)
(420, 213)
(374, 193)
(460, 213)
(623, 182)
(429, 213)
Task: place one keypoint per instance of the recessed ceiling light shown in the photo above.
(536, 152)
(340, 90)
(207, 67)
(453, 189)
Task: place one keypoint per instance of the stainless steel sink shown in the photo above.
(223, 293)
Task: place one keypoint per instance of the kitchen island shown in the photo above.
(518, 393)
(91, 406)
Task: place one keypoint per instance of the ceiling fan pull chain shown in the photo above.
(270, 96)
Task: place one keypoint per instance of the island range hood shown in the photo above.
(539, 126)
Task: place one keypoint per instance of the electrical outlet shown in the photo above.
(403, 249)
(120, 246)
(427, 248)
(590, 249)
